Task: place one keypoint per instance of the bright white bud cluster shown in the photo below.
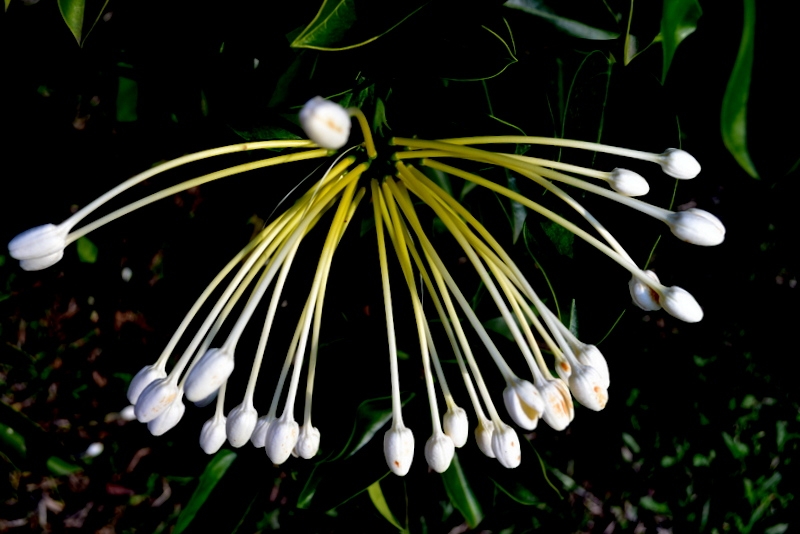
(398, 448)
(439, 452)
(681, 304)
(145, 376)
(241, 424)
(326, 123)
(281, 438)
(308, 442)
(213, 434)
(155, 399)
(213, 369)
(523, 402)
(456, 425)
(39, 247)
(506, 447)
(628, 183)
(679, 164)
(643, 295)
(697, 227)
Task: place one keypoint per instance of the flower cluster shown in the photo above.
(546, 389)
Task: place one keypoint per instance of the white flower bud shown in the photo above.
(697, 227)
(155, 398)
(46, 241)
(505, 445)
(559, 411)
(143, 378)
(202, 403)
(483, 435)
(281, 438)
(643, 295)
(679, 303)
(586, 386)
(213, 369)
(398, 449)
(591, 356)
(563, 368)
(628, 183)
(325, 122)
(241, 423)
(213, 435)
(308, 442)
(43, 262)
(679, 164)
(167, 419)
(259, 437)
(439, 452)
(128, 413)
(523, 402)
(456, 425)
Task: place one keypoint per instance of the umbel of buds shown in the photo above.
(569, 368)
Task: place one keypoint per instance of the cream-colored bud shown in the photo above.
(506, 447)
(213, 434)
(128, 413)
(523, 402)
(590, 355)
(241, 423)
(259, 437)
(213, 369)
(281, 438)
(155, 398)
(439, 451)
(43, 262)
(398, 449)
(697, 227)
(483, 435)
(143, 378)
(559, 411)
(587, 387)
(202, 403)
(643, 295)
(308, 442)
(628, 183)
(679, 164)
(168, 418)
(45, 241)
(679, 303)
(456, 425)
(325, 122)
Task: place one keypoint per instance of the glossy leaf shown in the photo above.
(568, 26)
(678, 21)
(72, 11)
(60, 467)
(212, 474)
(734, 103)
(12, 441)
(461, 494)
(379, 501)
(347, 24)
(87, 251)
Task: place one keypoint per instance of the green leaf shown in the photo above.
(8, 2)
(60, 467)
(568, 26)
(648, 503)
(678, 21)
(734, 103)
(12, 441)
(347, 24)
(379, 501)
(127, 99)
(562, 238)
(460, 493)
(87, 251)
(518, 212)
(737, 448)
(212, 474)
(72, 12)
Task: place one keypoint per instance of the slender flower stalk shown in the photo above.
(560, 367)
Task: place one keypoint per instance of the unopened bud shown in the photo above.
(643, 295)
(523, 402)
(586, 386)
(241, 423)
(439, 451)
(456, 425)
(483, 435)
(167, 419)
(281, 438)
(325, 122)
(628, 183)
(213, 435)
(679, 303)
(398, 448)
(697, 227)
(559, 411)
(308, 442)
(143, 378)
(213, 369)
(155, 398)
(679, 164)
(506, 447)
